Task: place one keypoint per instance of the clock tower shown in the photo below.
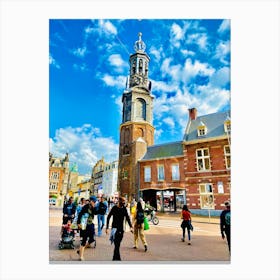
(136, 129)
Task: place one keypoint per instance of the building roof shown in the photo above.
(213, 122)
(164, 151)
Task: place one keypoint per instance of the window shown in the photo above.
(206, 196)
(227, 126)
(53, 186)
(55, 175)
(227, 156)
(125, 174)
(175, 171)
(160, 170)
(147, 174)
(202, 129)
(203, 159)
(140, 109)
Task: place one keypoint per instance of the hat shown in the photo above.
(93, 198)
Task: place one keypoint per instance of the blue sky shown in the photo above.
(88, 66)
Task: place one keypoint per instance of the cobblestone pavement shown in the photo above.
(164, 244)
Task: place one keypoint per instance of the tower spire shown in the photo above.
(139, 45)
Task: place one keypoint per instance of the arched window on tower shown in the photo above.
(146, 68)
(140, 66)
(140, 109)
(133, 67)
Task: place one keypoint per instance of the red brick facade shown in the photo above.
(168, 182)
(219, 174)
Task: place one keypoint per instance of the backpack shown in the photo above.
(227, 218)
(102, 208)
(140, 217)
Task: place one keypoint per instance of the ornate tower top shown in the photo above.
(139, 46)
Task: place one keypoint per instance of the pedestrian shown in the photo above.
(138, 226)
(133, 209)
(186, 223)
(102, 208)
(86, 225)
(142, 202)
(225, 223)
(69, 210)
(119, 212)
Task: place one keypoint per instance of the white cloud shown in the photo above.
(176, 32)
(80, 67)
(116, 60)
(160, 86)
(85, 146)
(107, 27)
(53, 62)
(199, 39)
(114, 81)
(222, 50)
(156, 52)
(187, 52)
(192, 69)
(225, 26)
(170, 122)
(221, 77)
(80, 52)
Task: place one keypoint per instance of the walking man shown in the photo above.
(102, 209)
(119, 212)
(225, 223)
(69, 210)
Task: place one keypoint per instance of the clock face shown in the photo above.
(137, 80)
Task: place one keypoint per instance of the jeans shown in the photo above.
(117, 242)
(101, 223)
(227, 232)
(184, 225)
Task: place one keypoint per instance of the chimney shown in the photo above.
(192, 114)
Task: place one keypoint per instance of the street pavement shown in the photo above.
(164, 243)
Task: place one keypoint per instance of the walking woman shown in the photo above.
(186, 223)
(139, 226)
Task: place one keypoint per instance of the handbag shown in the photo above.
(146, 224)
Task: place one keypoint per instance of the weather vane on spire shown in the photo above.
(139, 45)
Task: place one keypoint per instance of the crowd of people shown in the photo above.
(80, 219)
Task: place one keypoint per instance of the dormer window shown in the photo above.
(227, 126)
(202, 129)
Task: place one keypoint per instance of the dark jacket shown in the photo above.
(69, 209)
(224, 222)
(90, 210)
(118, 213)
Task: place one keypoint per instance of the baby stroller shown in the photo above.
(67, 237)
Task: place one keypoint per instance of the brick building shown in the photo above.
(195, 170)
(207, 161)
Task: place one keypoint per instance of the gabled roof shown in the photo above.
(214, 123)
(164, 151)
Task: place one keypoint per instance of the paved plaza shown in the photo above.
(164, 243)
